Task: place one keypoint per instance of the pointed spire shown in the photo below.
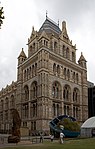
(58, 22)
(22, 54)
(46, 14)
(82, 57)
(64, 29)
(82, 61)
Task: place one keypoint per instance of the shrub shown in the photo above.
(69, 125)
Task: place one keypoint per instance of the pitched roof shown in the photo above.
(50, 26)
(82, 57)
(22, 54)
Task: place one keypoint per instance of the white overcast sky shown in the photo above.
(21, 15)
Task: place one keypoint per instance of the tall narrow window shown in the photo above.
(64, 51)
(73, 56)
(26, 93)
(55, 46)
(67, 53)
(66, 93)
(56, 89)
(33, 92)
(54, 69)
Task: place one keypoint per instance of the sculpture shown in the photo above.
(15, 138)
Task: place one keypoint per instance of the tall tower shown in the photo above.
(82, 62)
(21, 58)
(50, 82)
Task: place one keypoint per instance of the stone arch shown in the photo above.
(67, 93)
(76, 95)
(54, 69)
(68, 74)
(33, 90)
(55, 46)
(64, 51)
(56, 89)
(73, 56)
(67, 53)
(26, 93)
(25, 74)
(58, 70)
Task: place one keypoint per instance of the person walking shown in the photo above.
(62, 137)
(52, 137)
(41, 137)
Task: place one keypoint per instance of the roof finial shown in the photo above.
(46, 14)
(58, 22)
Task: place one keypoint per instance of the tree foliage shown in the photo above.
(69, 125)
(1, 16)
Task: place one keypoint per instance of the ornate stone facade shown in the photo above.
(49, 81)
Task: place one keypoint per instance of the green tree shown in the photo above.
(69, 125)
(1, 16)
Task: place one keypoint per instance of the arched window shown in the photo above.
(58, 69)
(26, 93)
(67, 53)
(33, 90)
(56, 90)
(65, 110)
(66, 93)
(73, 56)
(74, 76)
(35, 69)
(55, 46)
(25, 110)
(76, 112)
(33, 47)
(64, 51)
(25, 75)
(30, 72)
(76, 95)
(65, 73)
(54, 110)
(54, 69)
(68, 74)
(77, 78)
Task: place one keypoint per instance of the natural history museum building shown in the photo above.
(49, 81)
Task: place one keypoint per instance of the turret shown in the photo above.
(22, 57)
(82, 61)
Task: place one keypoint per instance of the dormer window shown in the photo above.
(45, 43)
